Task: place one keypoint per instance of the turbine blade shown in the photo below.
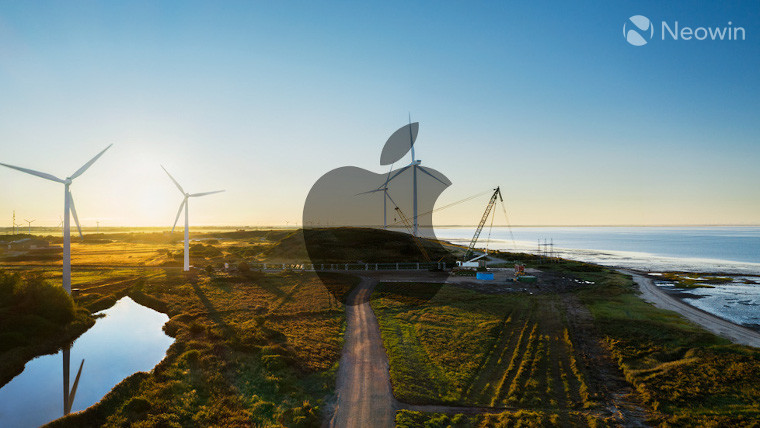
(175, 181)
(33, 172)
(184, 201)
(434, 177)
(370, 191)
(74, 213)
(89, 164)
(73, 392)
(395, 175)
(205, 193)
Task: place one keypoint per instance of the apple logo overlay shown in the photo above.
(638, 30)
(352, 215)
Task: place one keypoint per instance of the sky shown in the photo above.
(545, 99)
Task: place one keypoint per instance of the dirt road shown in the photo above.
(364, 396)
(733, 332)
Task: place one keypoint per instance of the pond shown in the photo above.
(128, 339)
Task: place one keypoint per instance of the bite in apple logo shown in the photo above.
(352, 215)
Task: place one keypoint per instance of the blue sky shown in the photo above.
(545, 99)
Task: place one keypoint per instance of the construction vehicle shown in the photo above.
(467, 259)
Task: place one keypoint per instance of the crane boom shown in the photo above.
(489, 207)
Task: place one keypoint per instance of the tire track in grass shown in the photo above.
(516, 389)
(571, 382)
(556, 388)
(480, 388)
(509, 374)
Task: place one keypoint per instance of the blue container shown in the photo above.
(484, 276)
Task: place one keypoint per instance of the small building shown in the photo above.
(28, 244)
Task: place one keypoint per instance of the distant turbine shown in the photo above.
(29, 224)
(384, 189)
(68, 206)
(187, 225)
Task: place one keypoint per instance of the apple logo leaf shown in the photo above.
(399, 143)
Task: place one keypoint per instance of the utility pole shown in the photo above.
(552, 249)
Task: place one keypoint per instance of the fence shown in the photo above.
(348, 266)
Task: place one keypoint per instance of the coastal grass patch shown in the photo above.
(466, 348)
(688, 376)
(692, 280)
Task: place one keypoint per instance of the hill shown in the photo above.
(350, 244)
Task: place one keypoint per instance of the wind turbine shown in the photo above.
(415, 165)
(68, 207)
(29, 225)
(384, 189)
(187, 225)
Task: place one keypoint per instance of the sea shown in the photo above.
(733, 250)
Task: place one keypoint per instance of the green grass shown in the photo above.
(690, 280)
(256, 349)
(686, 374)
(470, 349)
(506, 419)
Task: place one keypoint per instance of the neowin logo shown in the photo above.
(638, 30)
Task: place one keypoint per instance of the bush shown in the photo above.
(304, 416)
(35, 297)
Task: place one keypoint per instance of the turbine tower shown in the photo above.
(415, 165)
(187, 225)
(384, 189)
(68, 207)
(29, 224)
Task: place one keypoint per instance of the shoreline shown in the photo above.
(736, 333)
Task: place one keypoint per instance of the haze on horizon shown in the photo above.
(261, 99)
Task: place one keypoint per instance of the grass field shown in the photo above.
(688, 376)
(254, 349)
(251, 348)
(465, 348)
(527, 353)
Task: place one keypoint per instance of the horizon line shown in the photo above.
(291, 226)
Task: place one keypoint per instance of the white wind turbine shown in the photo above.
(415, 165)
(187, 225)
(68, 207)
(386, 196)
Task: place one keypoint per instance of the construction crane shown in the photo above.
(489, 207)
